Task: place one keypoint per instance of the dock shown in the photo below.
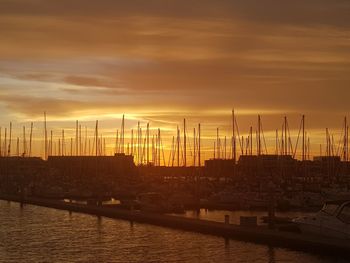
(259, 234)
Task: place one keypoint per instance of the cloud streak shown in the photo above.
(161, 59)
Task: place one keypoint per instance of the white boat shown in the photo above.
(333, 220)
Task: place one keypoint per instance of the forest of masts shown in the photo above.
(185, 150)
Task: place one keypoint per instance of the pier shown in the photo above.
(259, 234)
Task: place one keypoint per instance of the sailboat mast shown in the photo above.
(194, 147)
(30, 139)
(132, 141)
(303, 144)
(285, 136)
(63, 146)
(178, 146)
(24, 142)
(45, 135)
(259, 135)
(77, 138)
(96, 133)
(199, 144)
(5, 143)
(159, 147)
(51, 133)
(185, 153)
(147, 143)
(234, 155)
(251, 140)
(345, 156)
(123, 135)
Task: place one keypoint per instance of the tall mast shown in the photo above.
(30, 139)
(85, 143)
(24, 142)
(178, 146)
(285, 136)
(159, 147)
(345, 156)
(217, 144)
(10, 139)
(225, 148)
(185, 143)
(59, 147)
(234, 155)
(199, 144)
(116, 142)
(63, 146)
(50, 140)
(147, 143)
(276, 141)
(347, 143)
(123, 134)
(140, 146)
(259, 135)
(17, 147)
(80, 145)
(71, 146)
(45, 135)
(172, 154)
(251, 140)
(303, 151)
(132, 141)
(5, 143)
(96, 133)
(194, 147)
(153, 155)
(327, 143)
(77, 138)
(138, 142)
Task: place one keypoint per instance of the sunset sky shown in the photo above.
(160, 61)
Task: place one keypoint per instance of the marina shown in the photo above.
(174, 131)
(259, 235)
(84, 238)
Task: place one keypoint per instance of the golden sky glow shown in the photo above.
(162, 61)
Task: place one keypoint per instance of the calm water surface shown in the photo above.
(37, 234)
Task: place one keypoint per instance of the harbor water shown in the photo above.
(37, 234)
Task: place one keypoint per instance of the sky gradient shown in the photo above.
(162, 61)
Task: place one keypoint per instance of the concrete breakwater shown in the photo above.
(261, 235)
